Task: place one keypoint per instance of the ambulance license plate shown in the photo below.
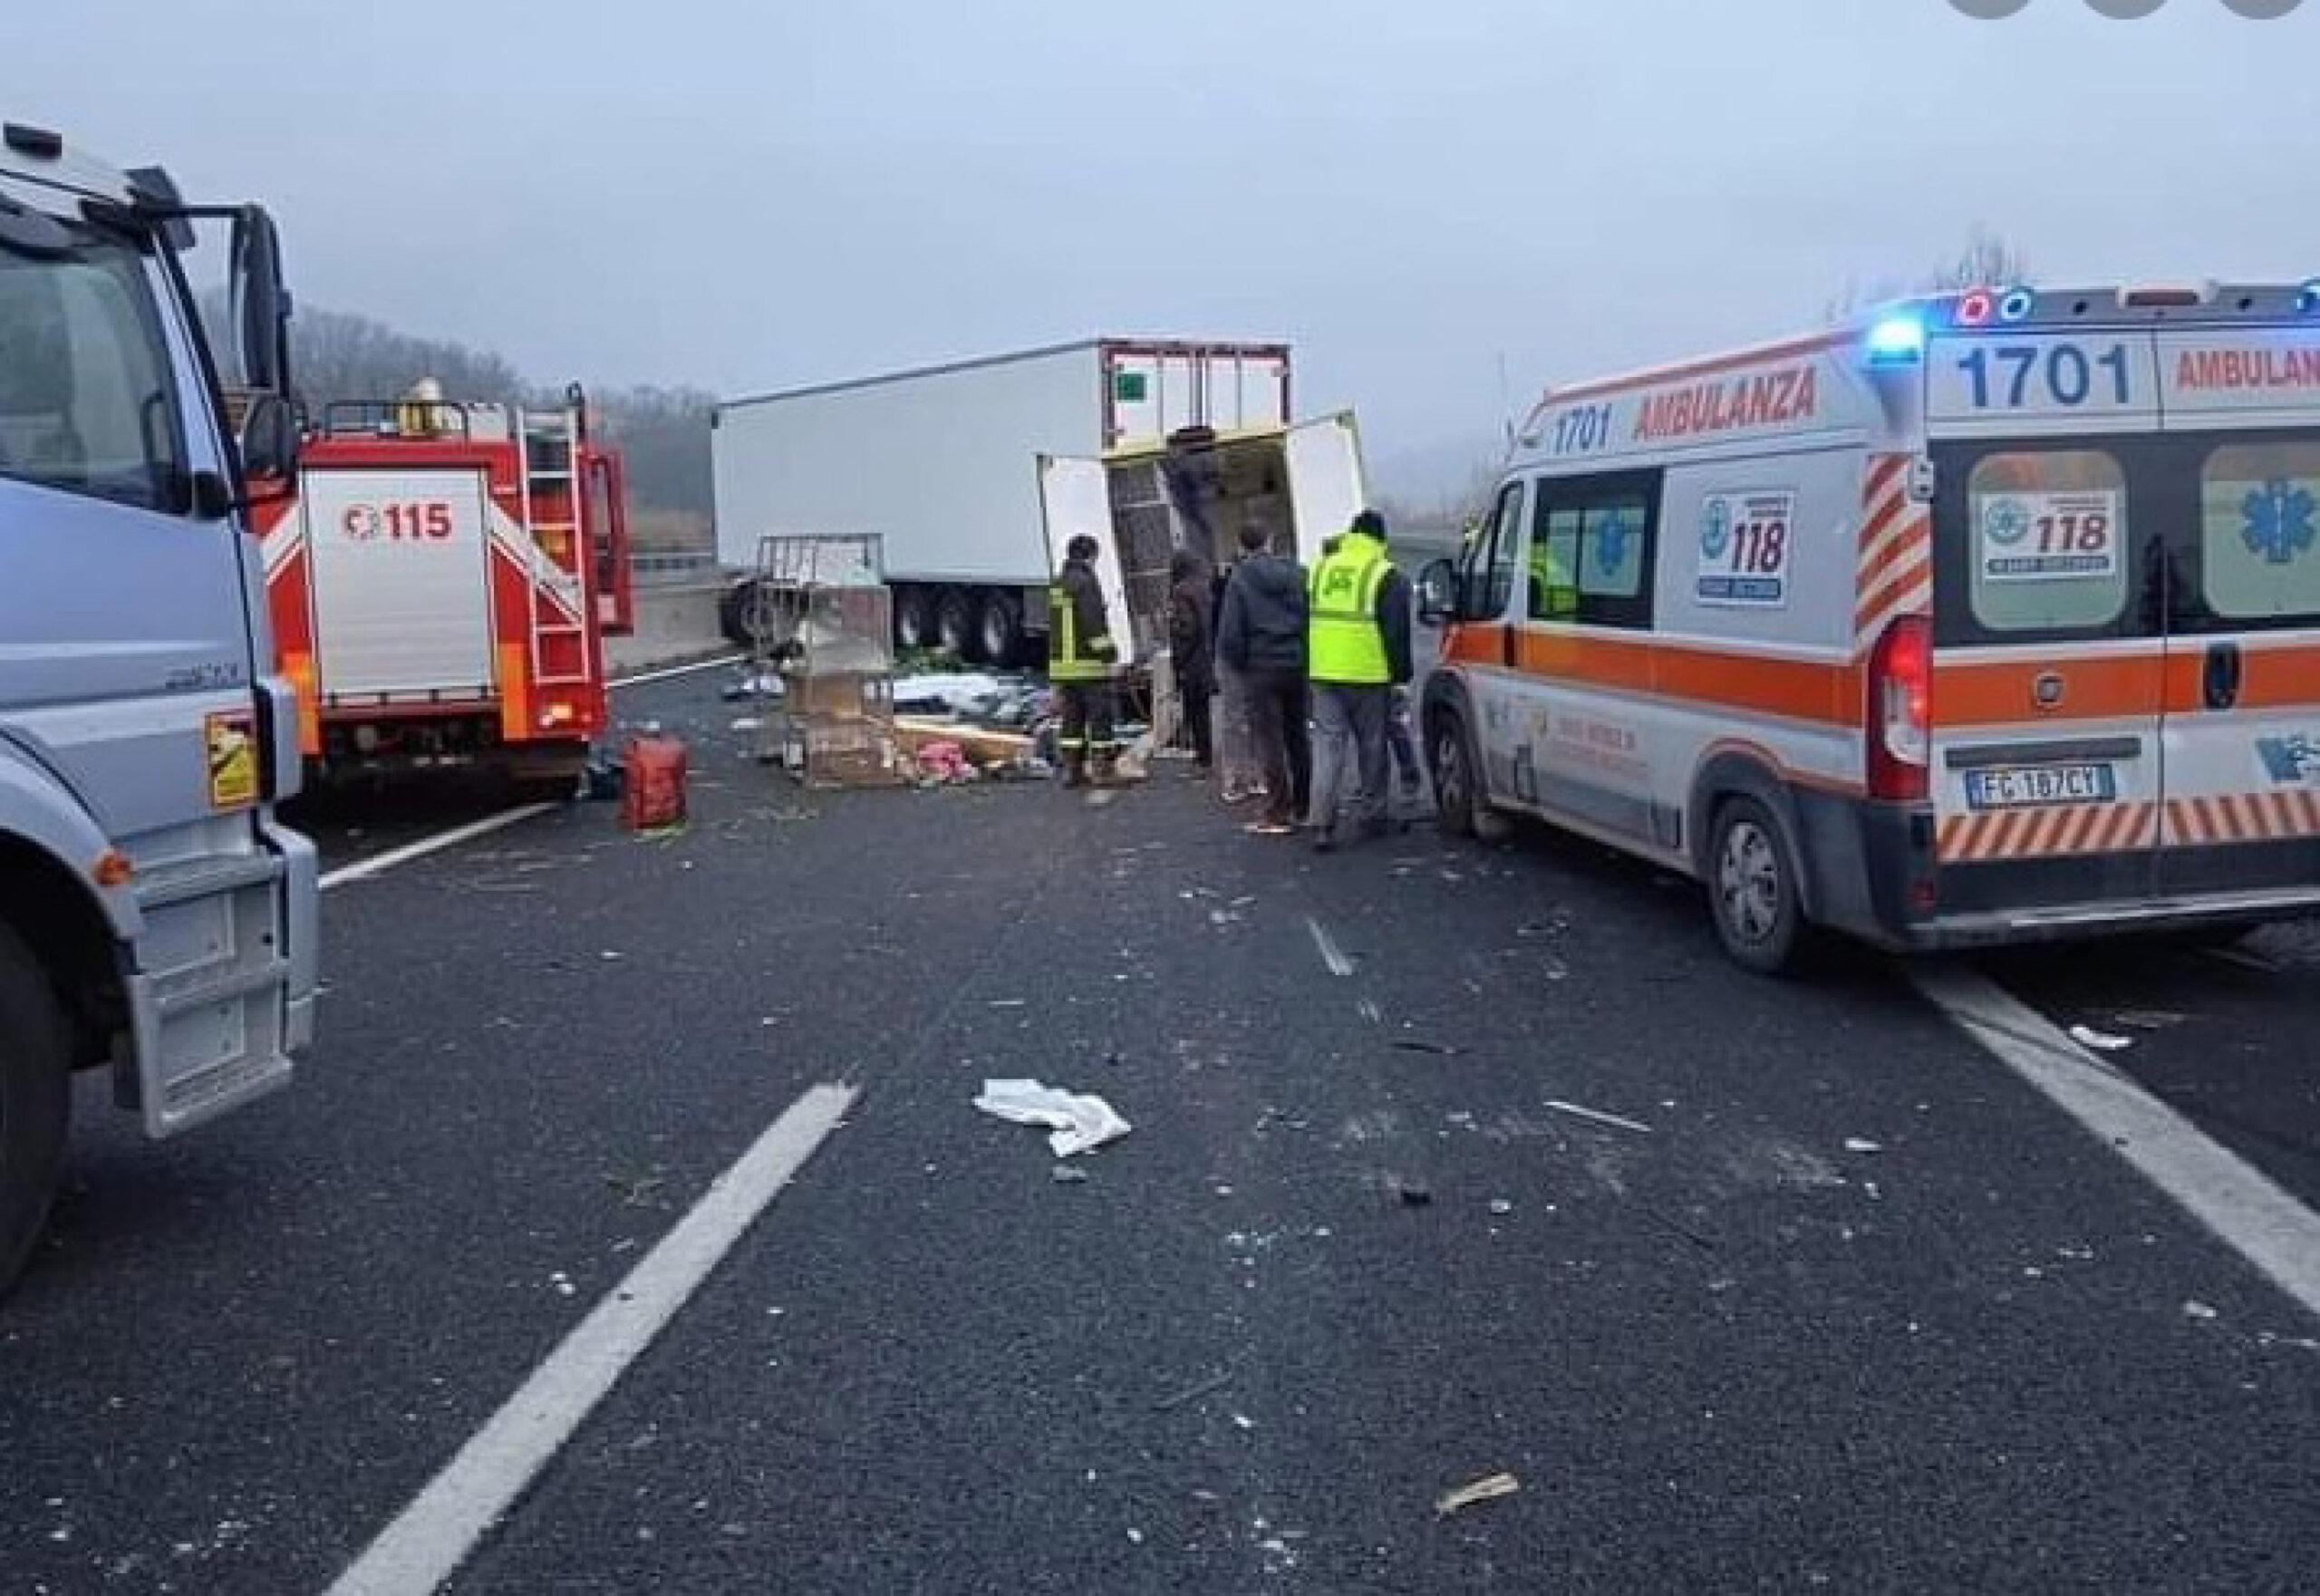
(2019, 787)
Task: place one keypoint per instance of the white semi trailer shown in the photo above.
(944, 463)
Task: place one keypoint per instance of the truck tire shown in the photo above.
(954, 625)
(914, 619)
(999, 628)
(731, 619)
(1753, 889)
(36, 1098)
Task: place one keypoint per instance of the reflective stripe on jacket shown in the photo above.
(1079, 648)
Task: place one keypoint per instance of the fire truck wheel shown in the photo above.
(34, 1100)
(1752, 888)
(954, 625)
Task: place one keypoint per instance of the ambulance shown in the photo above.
(1993, 618)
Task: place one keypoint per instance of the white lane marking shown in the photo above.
(1333, 955)
(361, 869)
(427, 1542)
(1583, 1112)
(665, 673)
(2255, 1217)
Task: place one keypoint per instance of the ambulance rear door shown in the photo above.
(2243, 704)
(2051, 590)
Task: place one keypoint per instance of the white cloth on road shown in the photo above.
(1078, 1121)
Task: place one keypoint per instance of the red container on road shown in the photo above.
(653, 783)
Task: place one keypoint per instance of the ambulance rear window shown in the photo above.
(2048, 539)
(2259, 529)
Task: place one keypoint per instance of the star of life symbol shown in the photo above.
(2005, 521)
(1715, 529)
(2279, 524)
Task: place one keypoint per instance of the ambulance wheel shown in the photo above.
(1752, 888)
(1457, 784)
(954, 623)
(35, 1097)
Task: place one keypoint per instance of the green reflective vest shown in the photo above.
(1345, 644)
(1070, 657)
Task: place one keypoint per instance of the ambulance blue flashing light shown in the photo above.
(1897, 340)
(2017, 303)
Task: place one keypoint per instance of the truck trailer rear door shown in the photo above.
(1076, 497)
(1325, 487)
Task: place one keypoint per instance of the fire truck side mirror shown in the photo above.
(269, 448)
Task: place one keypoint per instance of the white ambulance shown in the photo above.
(1994, 618)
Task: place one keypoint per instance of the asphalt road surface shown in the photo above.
(1748, 1286)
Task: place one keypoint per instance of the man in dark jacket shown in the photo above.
(1261, 635)
(1189, 654)
(1080, 657)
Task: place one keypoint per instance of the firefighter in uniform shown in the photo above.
(1357, 651)
(1080, 657)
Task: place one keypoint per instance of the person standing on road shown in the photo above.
(1190, 597)
(1357, 653)
(1262, 638)
(1080, 657)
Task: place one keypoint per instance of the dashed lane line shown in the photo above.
(427, 1542)
(363, 869)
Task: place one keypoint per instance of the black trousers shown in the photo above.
(1277, 724)
(1088, 716)
(1199, 699)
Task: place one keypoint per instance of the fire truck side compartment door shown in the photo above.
(403, 581)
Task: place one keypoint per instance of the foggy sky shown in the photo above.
(745, 196)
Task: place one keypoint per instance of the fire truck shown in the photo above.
(441, 585)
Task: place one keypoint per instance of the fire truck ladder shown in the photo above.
(548, 447)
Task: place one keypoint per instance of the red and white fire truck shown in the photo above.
(442, 583)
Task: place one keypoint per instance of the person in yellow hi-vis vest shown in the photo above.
(1080, 657)
(1358, 651)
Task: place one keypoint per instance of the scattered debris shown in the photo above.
(1066, 1174)
(1500, 1206)
(1597, 1115)
(2195, 1309)
(1413, 1193)
(1862, 1144)
(2086, 1036)
(1333, 955)
(562, 1282)
(2148, 1019)
(1135, 1536)
(1208, 1387)
(1242, 1421)
(1412, 1044)
(1489, 1488)
(1078, 1122)
(744, 723)
(1007, 1003)
(1371, 1012)
(758, 684)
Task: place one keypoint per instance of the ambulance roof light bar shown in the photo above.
(1897, 339)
